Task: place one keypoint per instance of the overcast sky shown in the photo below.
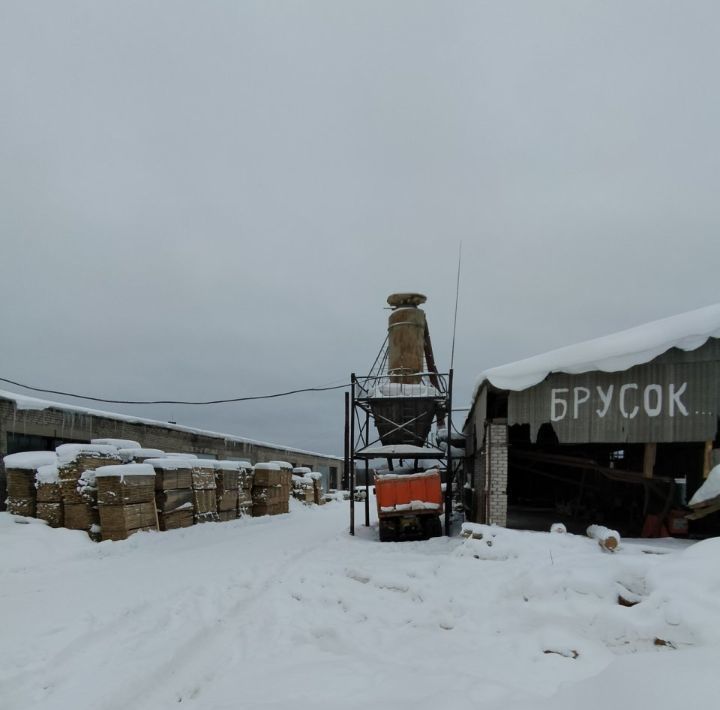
(213, 199)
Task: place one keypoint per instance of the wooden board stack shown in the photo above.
(227, 475)
(204, 490)
(267, 492)
(20, 470)
(49, 496)
(173, 492)
(126, 500)
(76, 468)
(286, 473)
(318, 491)
(246, 475)
(303, 485)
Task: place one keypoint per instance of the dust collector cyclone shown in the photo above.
(403, 405)
(401, 396)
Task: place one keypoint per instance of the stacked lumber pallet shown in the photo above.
(286, 473)
(49, 496)
(20, 470)
(303, 486)
(126, 500)
(173, 492)
(204, 490)
(318, 490)
(246, 475)
(227, 477)
(267, 492)
(76, 469)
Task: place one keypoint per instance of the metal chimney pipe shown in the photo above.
(406, 337)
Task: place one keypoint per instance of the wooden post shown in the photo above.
(649, 460)
(707, 459)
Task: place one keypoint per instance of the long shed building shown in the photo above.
(621, 429)
(30, 424)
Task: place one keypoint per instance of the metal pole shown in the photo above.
(352, 454)
(346, 459)
(449, 473)
(367, 473)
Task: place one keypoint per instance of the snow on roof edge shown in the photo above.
(610, 353)
(33, 403)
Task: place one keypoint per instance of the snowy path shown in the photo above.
(292, 612)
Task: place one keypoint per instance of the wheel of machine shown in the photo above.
(432, 526)
(388, 531)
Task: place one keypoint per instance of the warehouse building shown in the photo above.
(622, 430)
(30, 424)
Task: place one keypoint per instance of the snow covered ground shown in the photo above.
(291, 612)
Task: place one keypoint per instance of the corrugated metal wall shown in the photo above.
(676, 397)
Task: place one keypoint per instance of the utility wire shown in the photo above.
(174, 401)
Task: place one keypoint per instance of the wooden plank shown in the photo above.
(649, 460)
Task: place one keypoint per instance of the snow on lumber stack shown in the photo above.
(29, 460)
(82, 456)
(245, 485)
(126, 499)
(76, 466)
(607, 539)
(76, 470)
(318, 492)
(139, 455)
(303, 488)
(173, 491)
(271, 488)
(20, 470)
(117, 443)
(227, 484)
(80, 506)
(49, 496)
(204, 490)
(127, 483)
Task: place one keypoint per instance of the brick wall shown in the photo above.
(497, 473)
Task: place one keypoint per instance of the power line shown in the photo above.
(173, 401)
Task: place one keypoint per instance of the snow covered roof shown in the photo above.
(22, 402)
(611, 353)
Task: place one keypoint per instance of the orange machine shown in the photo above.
(409, 505)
